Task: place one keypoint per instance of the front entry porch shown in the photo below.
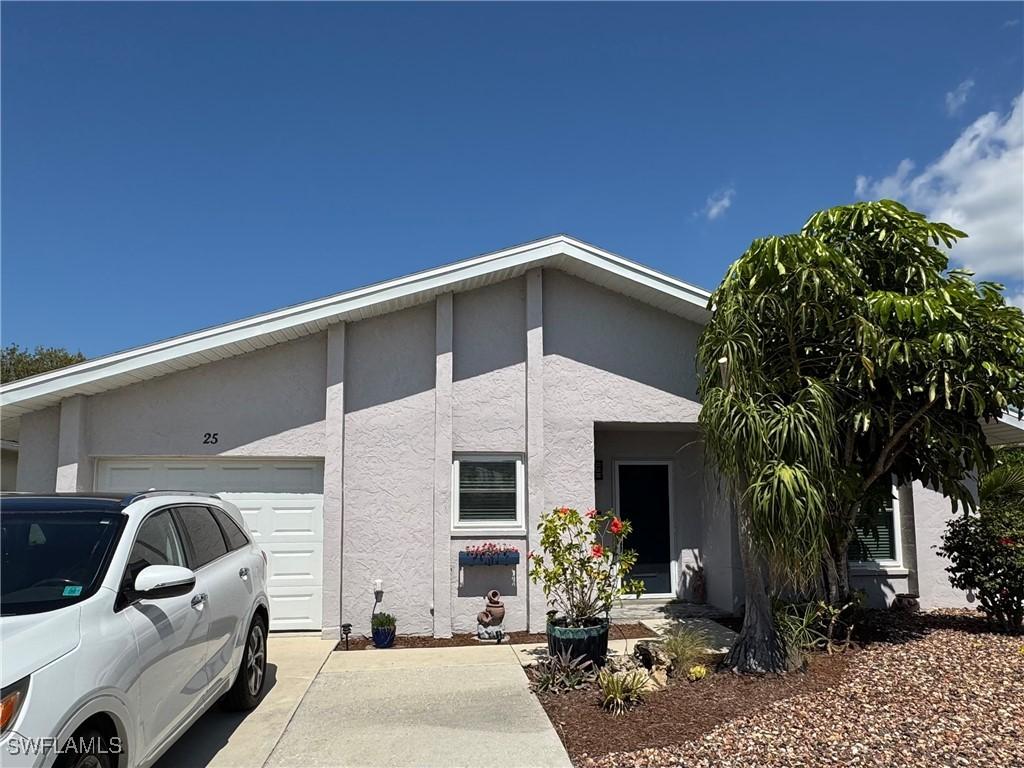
(654, 476)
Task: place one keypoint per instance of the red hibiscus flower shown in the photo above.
(563, 511)
(616, 526)
(1007, 542)
(597, 550)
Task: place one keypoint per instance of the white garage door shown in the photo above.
(282, 503)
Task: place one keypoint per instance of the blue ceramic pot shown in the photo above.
(383, 637)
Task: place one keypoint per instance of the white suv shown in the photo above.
(123, 620)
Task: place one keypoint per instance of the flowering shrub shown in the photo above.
(583, 567)
(986, 552)
(490, 548)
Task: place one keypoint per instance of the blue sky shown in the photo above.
(169, 167)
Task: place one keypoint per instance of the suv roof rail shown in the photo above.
(166, 492)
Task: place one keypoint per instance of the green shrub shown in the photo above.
(801, 628)
(561, 672)
(986, 554)
(686, 646)
(622, 690)
(382, 621)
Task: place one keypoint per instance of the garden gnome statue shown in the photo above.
(488, 621)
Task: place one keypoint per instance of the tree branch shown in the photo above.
(882, 464)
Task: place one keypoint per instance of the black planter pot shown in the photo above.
(589, 641)
(383, 637)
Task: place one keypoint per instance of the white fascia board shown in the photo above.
(335, 309)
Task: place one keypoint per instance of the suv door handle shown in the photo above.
(243, 573)
(199, 599)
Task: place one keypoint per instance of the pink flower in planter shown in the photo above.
(597, 550)
(591, 513)
(616, 526)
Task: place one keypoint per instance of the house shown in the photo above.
(371, 436)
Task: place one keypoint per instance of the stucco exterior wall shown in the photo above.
(469, 586)
(389, 468)
(489, 369)
(38, 442)
(932, 511)
(269, 402)
(607, 358)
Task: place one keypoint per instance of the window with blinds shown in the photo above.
(874, 537)
(489, 490)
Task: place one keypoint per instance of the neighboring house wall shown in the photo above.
(38, 442)
(8, 469)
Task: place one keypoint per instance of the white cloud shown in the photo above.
(956, 98)
(1010, 23)
(717, 204)
(1016, 299)
(977, 185)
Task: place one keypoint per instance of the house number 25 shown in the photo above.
(210, 438)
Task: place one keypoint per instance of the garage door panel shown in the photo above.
(296, 607)
(294, 565)
(281, 504)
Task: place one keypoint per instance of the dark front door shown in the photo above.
(643, 500)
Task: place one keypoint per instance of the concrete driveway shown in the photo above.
(245, 739)
(425, 707)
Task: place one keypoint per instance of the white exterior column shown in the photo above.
(442, 607)
(74, 469)
(536, 604)
(334, 481)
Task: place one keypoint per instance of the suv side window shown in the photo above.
(156, 543)
(236, 539)
(204, 535)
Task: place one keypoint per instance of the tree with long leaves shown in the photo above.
(837, 361)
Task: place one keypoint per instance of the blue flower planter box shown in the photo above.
(467, 559)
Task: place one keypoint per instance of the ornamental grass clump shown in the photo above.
(685, 647)
(622, 690)
(583, 566)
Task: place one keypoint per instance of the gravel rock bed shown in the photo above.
(948, 694)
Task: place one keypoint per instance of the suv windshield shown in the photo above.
(53, 559)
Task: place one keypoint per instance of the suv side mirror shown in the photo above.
(158, 581)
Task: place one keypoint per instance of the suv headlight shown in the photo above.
(11, 699)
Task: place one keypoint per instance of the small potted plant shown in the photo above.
(583, 571)
(383, 627)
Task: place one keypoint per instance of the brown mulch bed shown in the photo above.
(681, 712)
(358, 643)
(927, 691)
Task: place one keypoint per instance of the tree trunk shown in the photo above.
(836, 561)
(758, 649)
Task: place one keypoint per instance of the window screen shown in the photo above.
(203, 534)
(487, 490)
(236, 539)
(874, 536)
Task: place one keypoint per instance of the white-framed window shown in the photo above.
(876, 535)
(487, 491)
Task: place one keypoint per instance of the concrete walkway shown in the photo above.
(221, 739)
(422, 707)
